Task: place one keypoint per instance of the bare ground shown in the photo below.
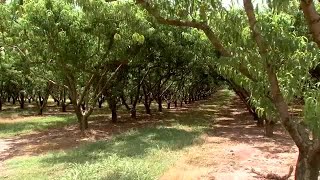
(233, 147)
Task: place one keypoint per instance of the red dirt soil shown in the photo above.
(233, 147)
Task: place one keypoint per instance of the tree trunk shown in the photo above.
(13, 100)
(114, 116)
(63, 103)
(84, 123)
(100, 103)
(147, 107)
(21, 100)
(40, 111)
(112, 102)
(181, 103)
(63, 107)
(168, 105)
(269, 128)
(123, 100)
(131, 99)
(307, 167)
(147, 100)
(82, 118)
(312, 17)
(175, 104)
(159, 104)
(147, 103)
(133, 112)
(40, 106)
(260, 121)
(0, 104)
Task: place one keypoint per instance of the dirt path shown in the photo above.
(233, 147)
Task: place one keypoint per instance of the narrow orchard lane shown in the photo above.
(234, 146)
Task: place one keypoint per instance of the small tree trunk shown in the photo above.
(63, 104)
(159, 104)
(131, 99)
(175, 104)
(82, 119)
(140, 99)
(1, 104)
(307, 167)
(147, 107)
(269, 128)
(133, 113)
(112, 102)
(168, 105)
(40, 111)
(84, 123)
(114, 116)
(21, 100)
(100, 103)
(63, 107)
(123, 100)
(147, 103)
(181, 103)
(13, 100)
(260, 121)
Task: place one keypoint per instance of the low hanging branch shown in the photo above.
(272, 175)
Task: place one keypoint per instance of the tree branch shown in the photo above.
(176, 22)
(313, 19)
(292, 127)
(216, 43)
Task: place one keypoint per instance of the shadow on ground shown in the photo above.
(136, 144)
(100, 128)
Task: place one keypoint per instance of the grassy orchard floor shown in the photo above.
(10, 128)
(213, 139)
(143, 153)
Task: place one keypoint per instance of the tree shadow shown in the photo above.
(136, 144)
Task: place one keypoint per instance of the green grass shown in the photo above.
(139, 154)
(17, 112)
(37, 124)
